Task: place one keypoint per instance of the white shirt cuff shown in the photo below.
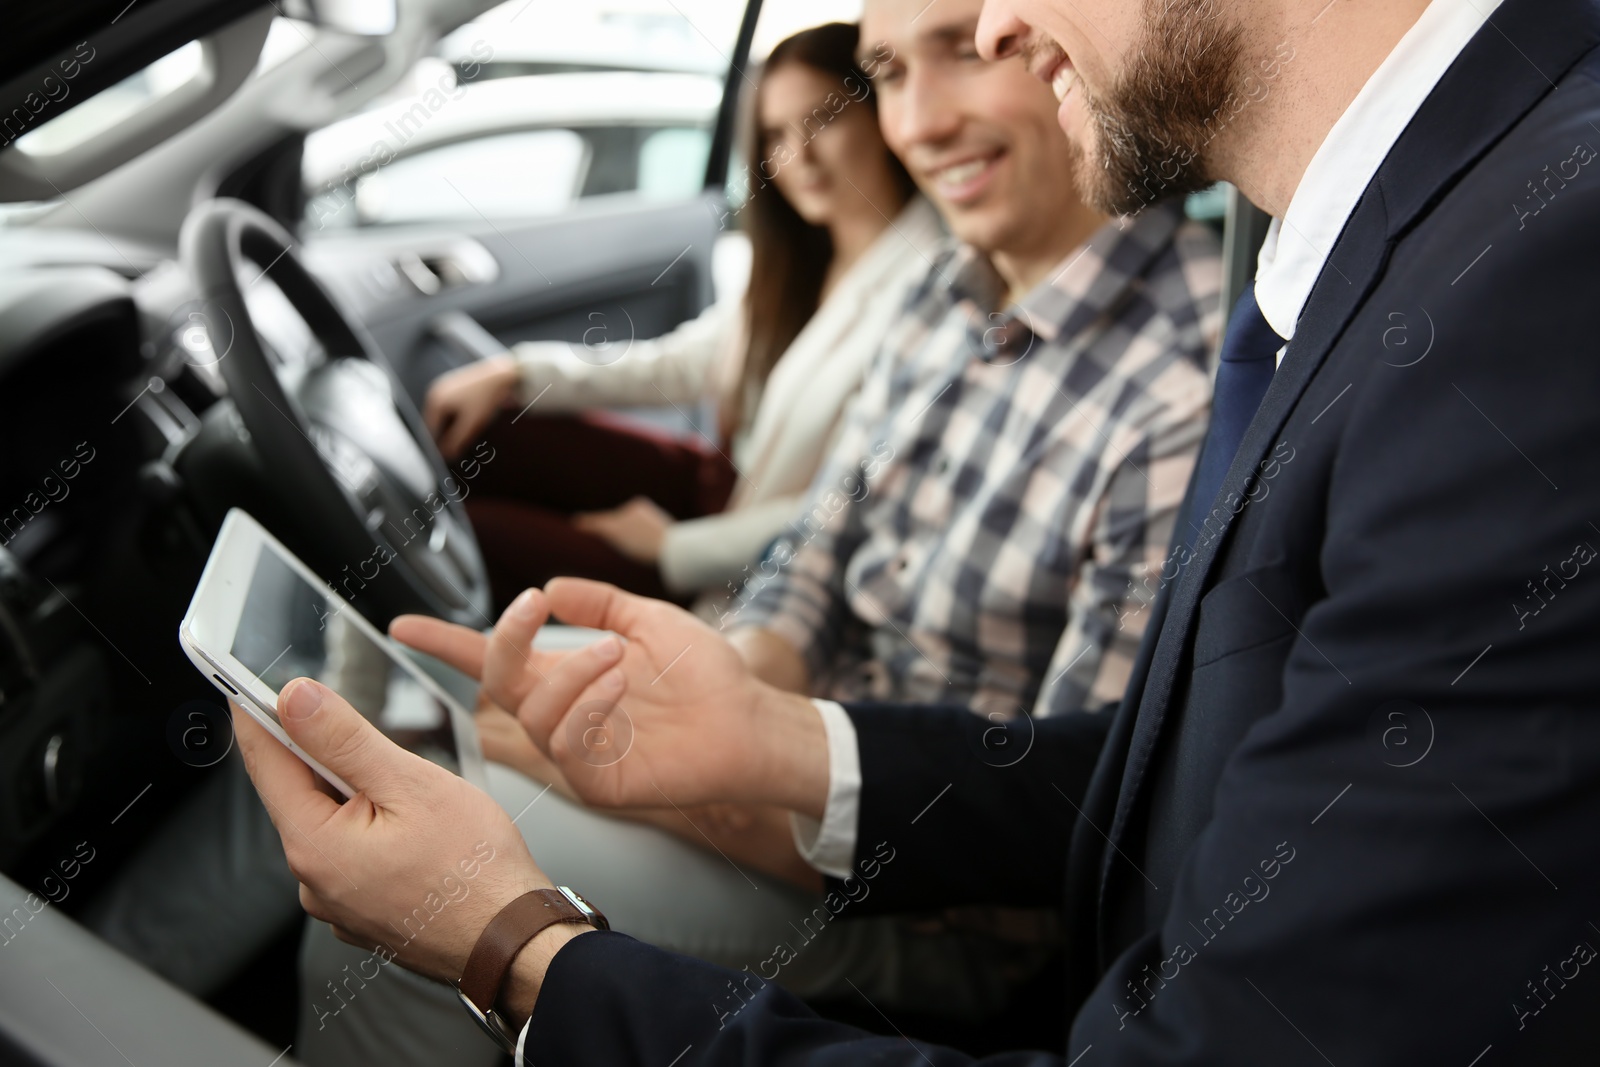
(522, 1039)
(830, 845)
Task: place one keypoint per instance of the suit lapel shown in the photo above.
(1492, 84)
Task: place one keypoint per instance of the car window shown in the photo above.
(530, 108)
(672, 163)
(510, 175)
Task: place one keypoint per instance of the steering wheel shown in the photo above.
(363, 494)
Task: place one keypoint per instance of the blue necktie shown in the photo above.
(1249, 356)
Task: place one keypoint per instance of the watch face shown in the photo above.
(590, 912)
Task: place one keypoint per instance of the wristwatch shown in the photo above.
(490, 960)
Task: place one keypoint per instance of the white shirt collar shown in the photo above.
(1297, 246)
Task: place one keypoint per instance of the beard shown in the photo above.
(1152, 127)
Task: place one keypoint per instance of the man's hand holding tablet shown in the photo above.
(414, 839)
(700, 728)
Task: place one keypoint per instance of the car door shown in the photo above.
(548, 179)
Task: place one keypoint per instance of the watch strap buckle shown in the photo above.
(497, 1028)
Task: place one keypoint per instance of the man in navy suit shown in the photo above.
(1347, 811)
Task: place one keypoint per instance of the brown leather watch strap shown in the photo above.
(505, 936)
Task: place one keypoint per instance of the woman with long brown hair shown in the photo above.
(838, 237)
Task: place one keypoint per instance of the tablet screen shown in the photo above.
(290, 628)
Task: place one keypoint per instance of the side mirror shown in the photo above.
(364, 18)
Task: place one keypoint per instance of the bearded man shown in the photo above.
(1344, 812)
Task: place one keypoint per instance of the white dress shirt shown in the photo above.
(1292, 257)
(1297, 245)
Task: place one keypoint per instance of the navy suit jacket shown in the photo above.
(1349, 811)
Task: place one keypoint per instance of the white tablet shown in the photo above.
(260, 617)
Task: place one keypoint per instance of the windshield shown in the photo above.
(110, 107)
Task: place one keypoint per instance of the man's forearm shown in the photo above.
(939, 781)
(526, 976)
(792, 766)
(613, 1000)
(793, 762)
(760, 838)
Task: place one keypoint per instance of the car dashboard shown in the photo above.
(104, 383)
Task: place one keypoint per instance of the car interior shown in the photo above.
(230, 264)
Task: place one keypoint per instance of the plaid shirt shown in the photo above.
(1003, 478)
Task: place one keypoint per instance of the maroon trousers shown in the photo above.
(545, 469)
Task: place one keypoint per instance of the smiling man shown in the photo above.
(1009, 472)
(1345, 812)
(1016, 458)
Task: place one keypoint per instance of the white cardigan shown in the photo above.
(778, 450)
